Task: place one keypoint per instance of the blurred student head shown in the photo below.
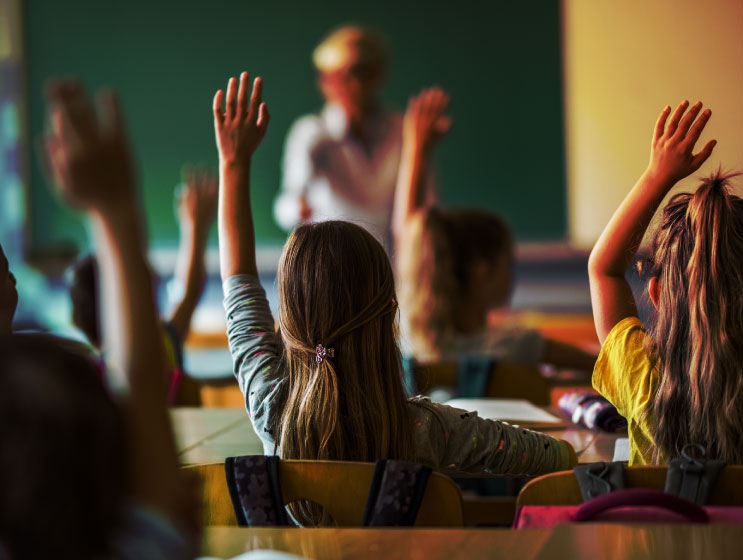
(351, 64)
(8, 294)
(63, 474)
(456, 265)
(84, 296)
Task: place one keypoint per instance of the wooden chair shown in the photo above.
(221, 393)
(506, 381)
(341, 487)
(562, 488)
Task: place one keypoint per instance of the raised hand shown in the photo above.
(425, 122)
(86, 152)
(672, 154)
(197, 200)
(242, 125)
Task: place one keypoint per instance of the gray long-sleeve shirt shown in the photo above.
(449, 440)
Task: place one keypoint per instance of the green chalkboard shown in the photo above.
(499, 60)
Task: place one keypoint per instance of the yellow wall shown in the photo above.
(624, 61)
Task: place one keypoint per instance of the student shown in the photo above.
(83, 475)
(197, 208)
(455, 266)
(328, 385)
(679, 382)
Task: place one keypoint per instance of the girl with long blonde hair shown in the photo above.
(328, 385)
(681, 381)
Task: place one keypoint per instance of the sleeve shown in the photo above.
(624, 373)
(473, 445)
(298, 170)
(254, 347)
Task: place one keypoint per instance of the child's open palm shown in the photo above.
(425, 122)
(197, 199)
(672, 154)
(88, 156)
(242, 125)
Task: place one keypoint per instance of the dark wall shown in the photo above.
(499, 60)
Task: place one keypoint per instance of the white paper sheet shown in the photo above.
(621, 449)
(509, 410)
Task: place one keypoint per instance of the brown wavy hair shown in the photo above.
(336, 288)
(436, 256)
(697, 335)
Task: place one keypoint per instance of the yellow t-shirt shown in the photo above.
(624, 375)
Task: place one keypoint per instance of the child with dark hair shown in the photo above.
(454, 266)
(82, 474)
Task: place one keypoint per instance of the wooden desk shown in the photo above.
(589, 542)
(210, 434)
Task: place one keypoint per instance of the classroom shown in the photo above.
(333, 280)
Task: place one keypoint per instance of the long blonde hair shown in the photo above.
(697, 336)
(336, 289)
(436, 255)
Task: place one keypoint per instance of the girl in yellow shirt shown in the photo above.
(681, 381)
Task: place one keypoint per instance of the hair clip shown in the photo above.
(322, 353)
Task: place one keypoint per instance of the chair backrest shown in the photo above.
(561, 488)
(506, 381)
(341, 487)
(221, 393)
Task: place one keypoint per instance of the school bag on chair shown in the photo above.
(689, 484)
(395, 494)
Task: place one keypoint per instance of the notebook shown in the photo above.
(621, 449)
(513, 411)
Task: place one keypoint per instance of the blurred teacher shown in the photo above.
(343, 162)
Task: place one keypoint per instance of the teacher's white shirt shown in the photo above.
(340, 178)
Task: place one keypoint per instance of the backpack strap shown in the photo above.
(692, 478)
(395, 494)
(599, 478)
(473, 375)
(253, 481)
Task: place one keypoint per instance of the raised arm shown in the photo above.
(672, 158)
(90, 161)
(239, 129)
(423, 125)
(197, 208)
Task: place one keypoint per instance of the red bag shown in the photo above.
(636, 505)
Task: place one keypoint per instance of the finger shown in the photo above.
(63, 129)
(112, 118)
(702, 155)
(242, 95)
(689, 117)
(661, 122)
(673, 123)
(217, 107)
(263, 118)
(79, 109)
(443, 124)
(696, 129)
(255, 99)
(49, 156)
(231, 103)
